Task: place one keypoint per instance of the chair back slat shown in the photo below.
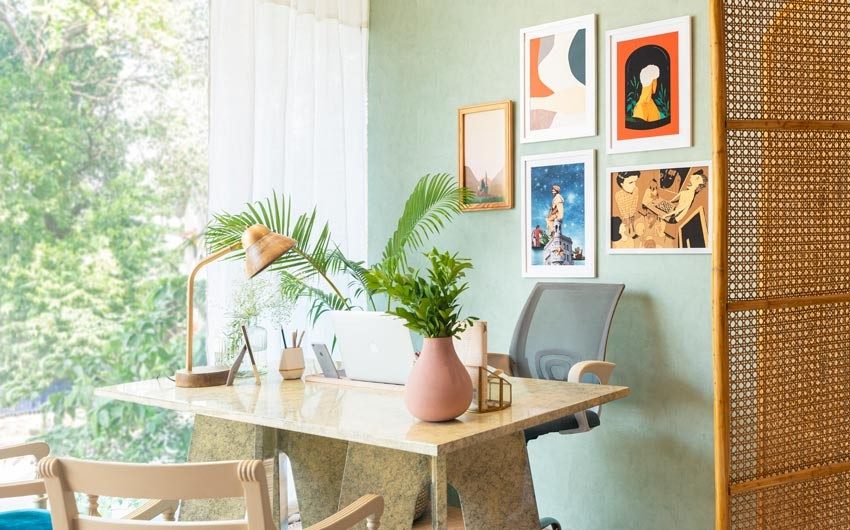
(21, 489)
(560, 325)
(153, 481)
(96, 523)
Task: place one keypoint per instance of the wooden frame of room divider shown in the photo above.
(781, 263)
(718, 266)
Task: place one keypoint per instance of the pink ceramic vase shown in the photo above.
(438, 388)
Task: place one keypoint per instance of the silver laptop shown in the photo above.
(375, 346)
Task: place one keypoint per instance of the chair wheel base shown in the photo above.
(550, 522)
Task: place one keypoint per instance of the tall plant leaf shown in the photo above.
(435, 200)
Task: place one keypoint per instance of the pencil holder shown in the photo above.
(291, 363)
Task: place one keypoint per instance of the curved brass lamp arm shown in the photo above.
(190, 297)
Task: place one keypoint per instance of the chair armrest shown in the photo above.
(37, 449)
(152, 508)
(500, 361)
(369, 507)
(600, 369)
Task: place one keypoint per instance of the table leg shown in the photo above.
(439, 493)
(213, 440)
(493, 481)
(283, 465)
(317, 468)
(398, 476)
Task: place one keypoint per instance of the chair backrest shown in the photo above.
(23, 488)
(65, 476)
(560, 325)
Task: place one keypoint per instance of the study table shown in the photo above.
(344, 441)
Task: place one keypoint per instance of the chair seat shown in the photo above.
(25, 520)
(561, 424)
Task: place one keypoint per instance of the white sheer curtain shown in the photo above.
(287, 113)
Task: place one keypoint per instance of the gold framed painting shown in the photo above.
(485, 155)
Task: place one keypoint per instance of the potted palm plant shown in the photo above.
(308, 272)
(439, 388)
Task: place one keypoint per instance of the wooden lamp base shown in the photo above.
(202, 376)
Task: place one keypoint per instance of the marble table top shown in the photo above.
(365, 415)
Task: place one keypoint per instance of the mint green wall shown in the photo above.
(650, 464)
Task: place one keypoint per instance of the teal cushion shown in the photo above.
(25, 520)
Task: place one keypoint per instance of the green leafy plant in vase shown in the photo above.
(439, 388)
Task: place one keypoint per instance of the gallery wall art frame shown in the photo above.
(558, 90)
(651, 223)
(485, 138)
(648, 92)
(545, 178)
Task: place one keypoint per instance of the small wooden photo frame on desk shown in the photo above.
(231, 376)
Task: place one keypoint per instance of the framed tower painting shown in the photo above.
(485, 147)
(659, 209)
(559, 215)
(649, 86)
(558, 80)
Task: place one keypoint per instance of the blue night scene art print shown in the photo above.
(559, 228)
(557, 209)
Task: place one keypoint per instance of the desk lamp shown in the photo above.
(262, 248)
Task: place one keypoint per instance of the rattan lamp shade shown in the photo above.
(262, 248)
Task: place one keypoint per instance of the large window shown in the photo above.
(103, 172)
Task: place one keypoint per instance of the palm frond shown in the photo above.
(435, 200)
(323, 301)
(356, 271)
(291, 288)
(276, 213)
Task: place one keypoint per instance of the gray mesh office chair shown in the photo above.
(561, 334)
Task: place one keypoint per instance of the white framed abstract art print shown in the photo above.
(558, 80)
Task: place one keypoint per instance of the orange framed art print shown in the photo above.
(649, 86)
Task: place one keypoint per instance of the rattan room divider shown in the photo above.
(781, 266)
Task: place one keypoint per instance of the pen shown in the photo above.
(283, 335)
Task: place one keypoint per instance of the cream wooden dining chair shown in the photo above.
(216, 480)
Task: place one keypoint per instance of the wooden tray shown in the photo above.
(344, 381)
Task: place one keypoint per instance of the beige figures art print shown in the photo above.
(485, 155)
(659, 208)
